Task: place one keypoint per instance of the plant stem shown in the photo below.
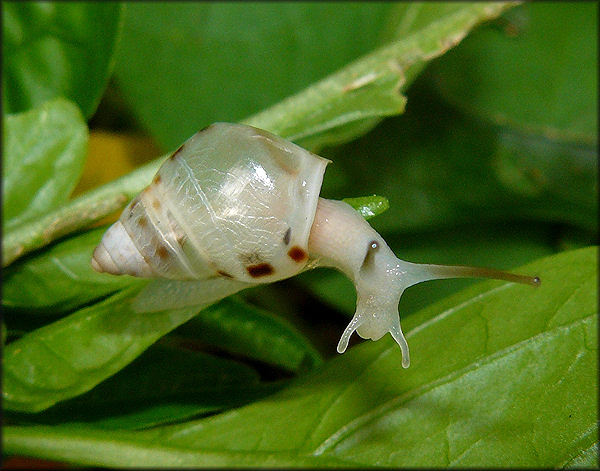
(357, 95)
(78, 213)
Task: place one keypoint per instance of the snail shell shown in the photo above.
(235, 206)
(233, 201)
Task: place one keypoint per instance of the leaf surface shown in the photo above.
(165, 384)
(69, 357)
(44, 151)
(521, 73)
(534, 77)
(54, 49)
(60, 278)
(209, 67)
(482, 361)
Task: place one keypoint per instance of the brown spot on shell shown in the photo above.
(162, 252)
(133, 204)
(156, 204)
(143, 222)
(297, 254)
(157, 179)
(174, 154)
(287, 236)
(224, 273)
(262, 269)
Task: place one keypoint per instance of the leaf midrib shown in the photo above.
(392, 404)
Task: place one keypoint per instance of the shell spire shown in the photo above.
(236, 206)
(117, 254)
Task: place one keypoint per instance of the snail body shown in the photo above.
(236, 206)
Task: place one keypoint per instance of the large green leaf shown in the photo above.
(71, 356)
(164, 385)
(208, 66)
(536, 79)
(52, 49)
(43, 155)
(502, 375)
(539, 72)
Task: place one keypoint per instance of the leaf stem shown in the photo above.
(336, 101)
(77, 214)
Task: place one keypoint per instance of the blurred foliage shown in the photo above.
(52, 49)
(210, 66)
(535, 72)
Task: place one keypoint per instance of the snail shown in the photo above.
(236, 206)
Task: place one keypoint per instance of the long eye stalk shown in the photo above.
(458, 271)
(344, 240)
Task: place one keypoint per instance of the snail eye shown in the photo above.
(372, 248)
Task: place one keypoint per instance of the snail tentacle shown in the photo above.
(344, 240)
(236, 206)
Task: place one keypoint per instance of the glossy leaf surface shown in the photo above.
(43, 154)
(462, 403)
(53, 49)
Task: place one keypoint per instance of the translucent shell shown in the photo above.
(235, 206)
(233, 201)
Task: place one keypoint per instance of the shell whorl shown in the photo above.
(233, 201)
(146, 241)
(117, 254)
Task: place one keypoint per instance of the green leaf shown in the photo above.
(60, 278)
(442, 168)
(53, 49)
(207, 55)
(70, 356)
(535, 166)
(537, 71)
(483, 360)
(521, 77)
(164, 385)
(240, 328)
(369, 206)
(354, 99)
(44, 151)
